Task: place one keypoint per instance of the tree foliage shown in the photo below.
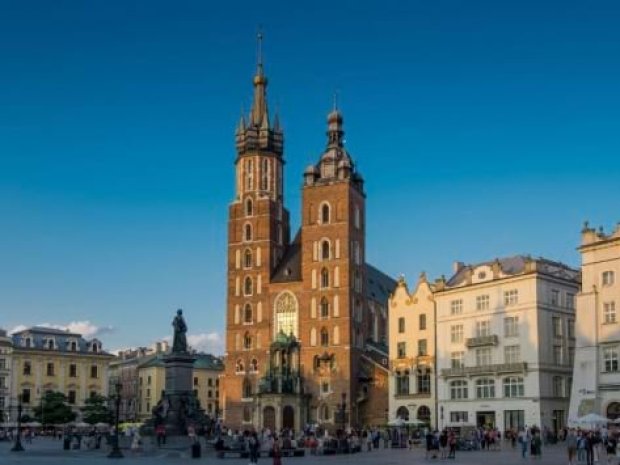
(54, 409)
(96, 410)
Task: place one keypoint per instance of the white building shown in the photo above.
(412, 385)
(6, 349)
(505, 343)
(596, 385)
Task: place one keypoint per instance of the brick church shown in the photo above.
(306, 324)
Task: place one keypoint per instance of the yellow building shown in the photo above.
(152, 382)
(412, 339)
(46, 359)
(6, 350)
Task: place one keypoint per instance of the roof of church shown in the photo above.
(379, 286)
(289, 268)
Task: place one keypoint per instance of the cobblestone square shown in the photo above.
(49, 452)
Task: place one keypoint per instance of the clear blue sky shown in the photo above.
(483, 129)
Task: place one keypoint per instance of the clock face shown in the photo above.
(286, 314)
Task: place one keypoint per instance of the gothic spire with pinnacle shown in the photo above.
(259, 115)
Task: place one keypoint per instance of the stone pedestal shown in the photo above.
(179, 373)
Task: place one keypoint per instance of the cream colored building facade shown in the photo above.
(506, 337)
(412, 381)
(47, 359)
(596, 379)
(152, 382)
(6, 357)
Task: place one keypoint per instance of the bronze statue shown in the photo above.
(179, 341)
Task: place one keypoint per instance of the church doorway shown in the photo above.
(288, 417)
(613, 410)
(269, 418)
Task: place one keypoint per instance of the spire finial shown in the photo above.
(336, 100)
(259, 49)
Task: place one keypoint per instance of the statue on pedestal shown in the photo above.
(179, 340)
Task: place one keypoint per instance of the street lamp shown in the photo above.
(116, 451)
(343, 410)
(18, 437)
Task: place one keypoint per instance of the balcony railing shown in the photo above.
(496, 369)
(481, 341)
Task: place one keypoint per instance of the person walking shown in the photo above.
(589, 448)
(452, 444)
(276, 452)
(571, 446)
(523, 442)
(610, 445)
(443, 443)
(253, 446)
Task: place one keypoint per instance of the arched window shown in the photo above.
(247, 286)
(247, 414)
(239, 367)
(324, 308)
(247, 313)
(247, 232)
(249, 207)
(247, 258)
(325, 250)
(247, 388)
(264, 174)
(357, 281)
(247, 341)
(424, 414)
(316, 362)
(458, 389)
(325, 213)
(324, 278)
(513, 387)
(254, 366)
(324, 337)
(249, 175)
(485, 388)
(324, 413)
(286, 311)
(402, 413)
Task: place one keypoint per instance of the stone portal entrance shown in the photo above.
(269, 418)
(613, 410)
(288, 417)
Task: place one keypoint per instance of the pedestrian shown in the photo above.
(253, 446)
(571, 446)
(452, 444)
(276, 452)
(589, 448)
(443, 443)
(610, 446)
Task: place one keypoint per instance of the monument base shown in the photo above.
(179, 408)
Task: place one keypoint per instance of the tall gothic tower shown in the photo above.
(258, 233)
(333, 271)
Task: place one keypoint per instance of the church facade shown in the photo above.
(306, 324)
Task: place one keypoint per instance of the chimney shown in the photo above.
(457, 266)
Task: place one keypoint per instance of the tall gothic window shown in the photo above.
(247, 232)
(247, 286)
(249, 175)
(247, 388)
(324, 337)
(324, 308)
(249, 207)
(325, 213)
(247, 258)
(324, 278)
(286, 314)
(325, 250)
(264, 174)
(247, 341)
(247, 313)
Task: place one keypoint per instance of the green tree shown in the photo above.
(96, 410)
(54, 409)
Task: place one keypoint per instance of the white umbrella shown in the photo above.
(591, 419)
(616, 421)
(33, 424)
(415, 422)
(397, 422)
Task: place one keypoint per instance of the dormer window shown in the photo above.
(27, 342)
(49, 344)
(73, 346)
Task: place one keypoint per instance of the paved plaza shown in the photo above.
(49, 452)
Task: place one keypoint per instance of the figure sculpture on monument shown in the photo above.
(179, 341)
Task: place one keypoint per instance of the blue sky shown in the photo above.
(483, 129)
